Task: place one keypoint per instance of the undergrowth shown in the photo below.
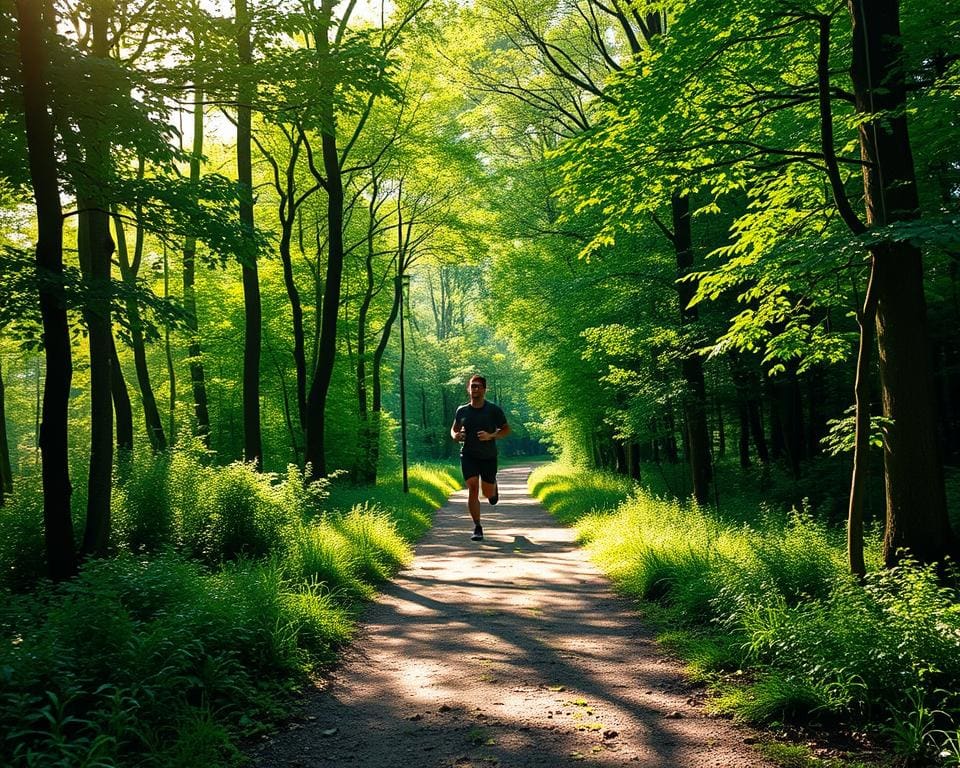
(228, 588)
(764, 610)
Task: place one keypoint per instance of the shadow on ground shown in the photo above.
(508, 652)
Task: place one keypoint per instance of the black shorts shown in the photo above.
(486, 468)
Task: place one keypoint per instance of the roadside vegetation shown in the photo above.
(227, 591)
(760, 605)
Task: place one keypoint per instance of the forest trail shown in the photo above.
(506, 653)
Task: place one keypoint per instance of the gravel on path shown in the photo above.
(512, 652)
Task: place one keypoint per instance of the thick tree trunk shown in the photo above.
(695, 400)
(620, 458)
(916, 510)
(633, 460)
(34, 60)
(252, 440)
(95, 247)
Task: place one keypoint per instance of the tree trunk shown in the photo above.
(6, 471)
(327, 348)
(916, 509)
(777, 443)
(364, 472)
(861, 438)
(201, 413)
(95, 247)
(41, 148)
(744, 444)
(756, 430)
(695, 400)
(620, 463)
(252, 440)
(123, 411)
(128, 273)
(296, 309)
(377, 392)
(168, 354)
(633, 460)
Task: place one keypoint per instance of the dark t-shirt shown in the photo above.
(488, 418)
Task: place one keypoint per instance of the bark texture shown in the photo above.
(916, 510)
(44, 176)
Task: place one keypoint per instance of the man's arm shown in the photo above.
(457, 432)
(502, 431)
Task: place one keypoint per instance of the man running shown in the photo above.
(477, 426)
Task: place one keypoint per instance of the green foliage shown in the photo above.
(840, 438)
(773, 598)
(152, 657)
(137, 655)
(22, 555)
(571, 494)
(376, 548)
(245, 515)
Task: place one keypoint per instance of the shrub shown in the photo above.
(776, 591)
(376, 548)
(135, 655)
(22, 555)
(143, 518)
(245, 514)
(320, 554)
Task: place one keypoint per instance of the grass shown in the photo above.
(762, 608)
(228, 590)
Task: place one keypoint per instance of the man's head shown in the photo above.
(477, 387)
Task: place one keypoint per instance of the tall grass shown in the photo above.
(227, 589)
(773, 596)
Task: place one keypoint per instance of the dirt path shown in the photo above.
(511, 652)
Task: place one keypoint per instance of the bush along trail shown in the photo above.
(244, 585)
(765, 613)
(512, 651)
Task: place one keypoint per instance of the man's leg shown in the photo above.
(488, 481)
(473, 498)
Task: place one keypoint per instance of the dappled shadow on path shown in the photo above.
(507, 652)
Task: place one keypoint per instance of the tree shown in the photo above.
(36, 22)
(916, 512)
(129, 271)
(253, 443)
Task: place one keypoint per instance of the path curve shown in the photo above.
(512, 652)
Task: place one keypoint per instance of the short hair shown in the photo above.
(477, 377)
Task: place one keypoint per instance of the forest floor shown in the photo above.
(512, 652)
